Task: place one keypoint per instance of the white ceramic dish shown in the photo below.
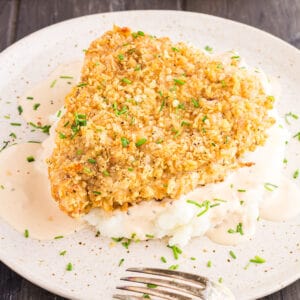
(96, 271)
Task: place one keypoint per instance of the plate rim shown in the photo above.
(39, 281)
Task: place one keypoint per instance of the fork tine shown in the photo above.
(193, 290)
(154, 292)
(173, 274)
(127, 297)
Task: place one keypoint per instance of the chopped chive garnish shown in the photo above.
(180, 106)
(125, 142)
(15, 124)
(134, 34)
(58, 113)
(163, 103)
(20, 109)
(159, 141)
(150, 236)
(223, 83)
(91, 160)
(121, 262)
(105, 173)
(87, 170)
(26, 233)
(296, 174)
(179, 81)
(235, 57)
(62, 135)
(184, 123)
(30, 159)
(44, 128)
(69, 267)
(126, 80)
(209, 264)
(176, 251)
(151, 285)
(290, 115)
(239, 229)
(79, 152)
(96, 193)
(297, 136)
(81, 84)
(62, 253)
(58, 237)
(29, 98)
(257, 260)
(204, 118)
(119, 239)
(121, 57)
(53, 83)
(220, 280)
(241, 191)
(208, 48)
(146, 296)
(174, 267)
(219, 200)
(36, 106)
(141, 142)
(192, 258)
(137, 68)
(7, 117)
(270, 187)
(66, 77)
(232, 254)
(126, 243)
(285, 161)
(175, 49)
(163, 259)
(205, 204)
(195, 102)
(130, 169)
(67, 123)
(13, 135)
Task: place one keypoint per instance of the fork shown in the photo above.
(186, 286)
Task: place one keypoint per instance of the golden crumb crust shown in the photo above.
(151, 119)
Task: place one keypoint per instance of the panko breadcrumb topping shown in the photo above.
(152, 120)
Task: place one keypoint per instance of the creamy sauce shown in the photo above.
(25, 198)
(26, 202)
(50, 93)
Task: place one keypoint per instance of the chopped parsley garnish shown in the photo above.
(81, 84)
(96, 193)
(297, 136)
(209, 264)
(141, 142)
(174, 267)
(121, 262)
(290, 115)
(36, 106)
(30, 159)
(270, 187)
(15, 124)
(208, 49)
(20, 109)
(62, 135)
(163, 259)
(66, 77)
(53, 83)
(296, 174)
(121, 57)
(196, 103)
(69, 267)
(44, 128)
(106, 173)
(58, 237)
(62, 253)
(232, 254)
(179, 81)
(151, 285)
(176, 251)
(239, 229)
(125, 142)
(26, 233)
(126, 80)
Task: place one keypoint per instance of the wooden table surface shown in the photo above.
(18, 18)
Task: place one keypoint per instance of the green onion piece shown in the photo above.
(69, 267)
(208, 49)
(62, 253)
(179, 81)
(30, 159)
(159, 141)
(126, 243)
(119, 239)
(36, 106)
(296, 174)
(232, 254)
(220, 280)
(58, 237)
(140, 142)
(26, 233)
(174, 267)
(297, 135)
(58, 113)
(196, 103)
(241, 191)
(96, 193)
(150, 236)
(121, 262)
(53, 83)
(121, 57)
(285, 161)
(130, 169)
(137, 68)
(125, 142)
(105, 173)
(209, 264)
(15, 124)
(192, 258)
(270, 187)
(239, 229)
(87, 170)
(91, 160)
(175, 49)
(163, 259)
(81, 84)
(184, 123)
(204, 118)
(235, 57)
(257, 260)
(134, 34)
(44, 128)
(13, 135)
(290, 115)
(151, 285)
(62, 135)
(162, 105)
(140, 33)
(126, 80)
(66, 77)
(79, 152)
(20, 109)
(146, 296)
(29, 98)
(176, 251)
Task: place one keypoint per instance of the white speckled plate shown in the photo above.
(96, 271)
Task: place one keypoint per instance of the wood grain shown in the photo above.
(21, 17)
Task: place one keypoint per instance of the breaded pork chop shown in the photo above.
(152, 120)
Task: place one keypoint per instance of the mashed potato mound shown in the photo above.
(152, 120)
